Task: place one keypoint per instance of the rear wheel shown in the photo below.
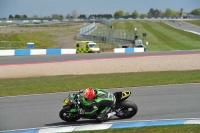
(127, 109)
(65, 116)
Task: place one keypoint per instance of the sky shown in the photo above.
(43, 8)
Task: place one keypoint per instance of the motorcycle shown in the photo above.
(123, 108)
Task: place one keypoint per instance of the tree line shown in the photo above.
(154, 13)
(118, 14)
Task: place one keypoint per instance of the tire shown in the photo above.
(63, 116)
(125, 105)
(104, 118)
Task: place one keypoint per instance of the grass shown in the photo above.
(159, 39)
(154, 129)
(43, 38)
(49, 25)
(195, 22)
(160, 36)
(5, 24)
(24, 86)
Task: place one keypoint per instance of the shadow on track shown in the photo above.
(79, 122)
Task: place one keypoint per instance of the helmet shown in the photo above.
(89, 94)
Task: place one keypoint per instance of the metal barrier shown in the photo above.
(106, 35)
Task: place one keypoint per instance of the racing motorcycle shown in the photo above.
(123, 108)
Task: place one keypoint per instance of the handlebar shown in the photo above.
(78, 98)
(80, 91)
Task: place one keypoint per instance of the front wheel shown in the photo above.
(127, 109)
(65, 116)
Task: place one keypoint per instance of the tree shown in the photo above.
(46, 17)
(135, 14)
(127, 13)
(17, 16)
(119, 14)
(82, 16)
(196, 11)
(154, 12)
(10, 16)
(74, 14)
(68, 16)
(157, 13)
(143, 15)
(175, 13)
(92, 16)
(151, 12)
(24, 16)
(55, 16)
(162, 14)
(108, 16)
(35, 16)
(169, 12)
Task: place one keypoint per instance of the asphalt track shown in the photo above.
(184, 26)
(59, 58)
(156, 102)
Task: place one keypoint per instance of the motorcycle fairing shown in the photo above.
(121, 96)
(125, 94)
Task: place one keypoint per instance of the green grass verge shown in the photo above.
(43, 37)
(195, 22)
(5, 24)
(154, 129)
(49, 25)
(160, 36)
(24, 86)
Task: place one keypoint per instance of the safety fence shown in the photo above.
(87, 29)
(107, 34)
(118, 41)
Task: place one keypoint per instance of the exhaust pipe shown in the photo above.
(111, 114)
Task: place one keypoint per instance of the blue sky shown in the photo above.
(64, 7)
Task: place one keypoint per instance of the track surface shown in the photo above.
(156, 102)
(59, 58)
(184, 26)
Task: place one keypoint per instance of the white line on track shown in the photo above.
(60, 126)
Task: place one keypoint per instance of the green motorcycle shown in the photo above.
(123, 107)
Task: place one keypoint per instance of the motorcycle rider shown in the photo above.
(98, 101)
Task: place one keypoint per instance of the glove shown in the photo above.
(81, 111)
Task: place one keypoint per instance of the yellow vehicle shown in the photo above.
(86, 47)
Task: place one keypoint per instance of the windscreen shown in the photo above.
(93, 45)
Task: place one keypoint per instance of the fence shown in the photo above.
(108, 34)
(89, 32)
(87, 29)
